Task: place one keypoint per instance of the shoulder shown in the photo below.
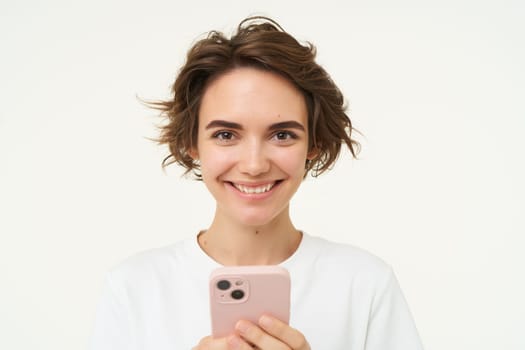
(148, 265)
(340, 259)
(347, 254)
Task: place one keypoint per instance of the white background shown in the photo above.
(437, 88)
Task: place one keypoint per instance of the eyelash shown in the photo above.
(289, 134)
(220, 135)
(227, 136)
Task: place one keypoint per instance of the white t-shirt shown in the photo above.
(342, 298)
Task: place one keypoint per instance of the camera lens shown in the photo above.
(223, 285)
(237, 294)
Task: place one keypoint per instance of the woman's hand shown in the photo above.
(269, 334)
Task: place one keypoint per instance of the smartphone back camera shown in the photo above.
(234, 289)
(223, 285)
(237, 294)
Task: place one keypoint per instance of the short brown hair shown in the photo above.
(261, 43)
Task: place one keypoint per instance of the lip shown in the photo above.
(258, 196)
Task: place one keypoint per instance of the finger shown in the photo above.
(203, 344)
(256, 336)
(280, 330)
(237, 343)
(210, 343)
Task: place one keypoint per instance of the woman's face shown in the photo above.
(252, 144)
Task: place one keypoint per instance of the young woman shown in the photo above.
(251, 116)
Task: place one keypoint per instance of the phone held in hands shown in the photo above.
(246, 293)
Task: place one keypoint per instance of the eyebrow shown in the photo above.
(223, 124)
(291, 124)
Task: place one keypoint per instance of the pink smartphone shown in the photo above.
(247, 292)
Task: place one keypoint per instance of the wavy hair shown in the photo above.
(259, 42)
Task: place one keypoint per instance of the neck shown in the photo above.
(232, 243)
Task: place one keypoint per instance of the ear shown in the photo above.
(312, 154)
(193, 153)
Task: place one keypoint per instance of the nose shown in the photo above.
(254, 160)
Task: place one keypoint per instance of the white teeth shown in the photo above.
(252, 190)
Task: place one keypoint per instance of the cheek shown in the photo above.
(292, 160)
(216, 162)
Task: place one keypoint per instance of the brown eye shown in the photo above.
(285, 135)
(223, 135)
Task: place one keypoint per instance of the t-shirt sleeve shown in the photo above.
(112, 329)
(391, 326)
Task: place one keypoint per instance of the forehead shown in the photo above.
(248, 94)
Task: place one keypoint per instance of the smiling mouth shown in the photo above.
(255, 189)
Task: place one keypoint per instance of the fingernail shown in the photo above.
(265, 321)
(242, 326)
